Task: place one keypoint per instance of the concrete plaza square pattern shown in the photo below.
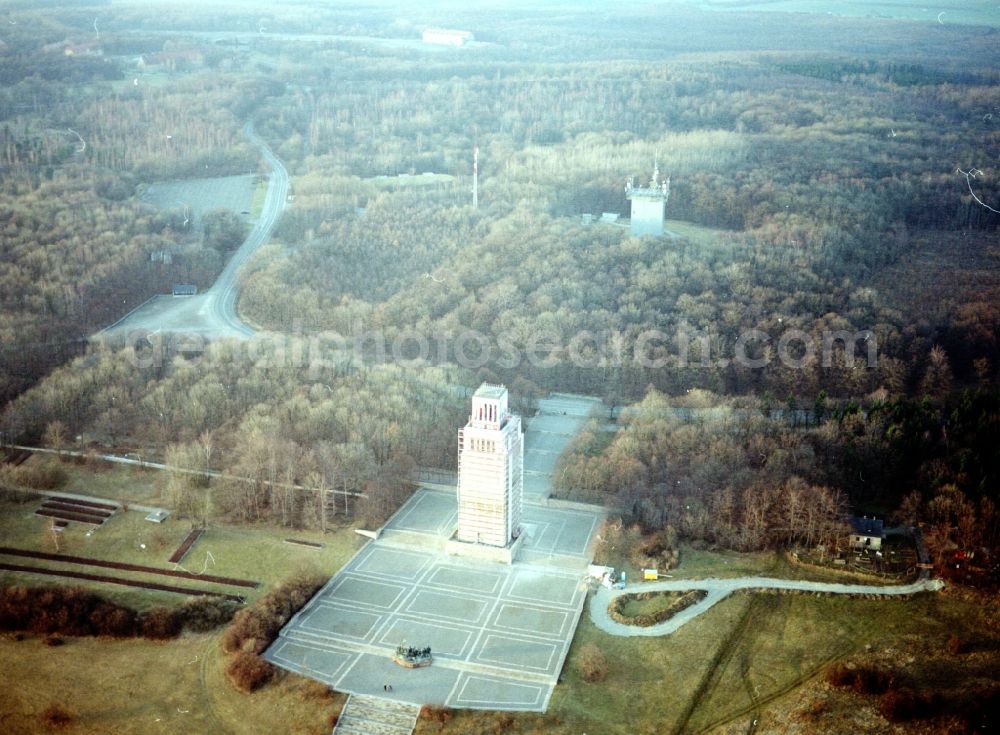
(349, 623)
(322, 663)
(499, 633)
(532, 588)
(428, 512)
(484, 692)
(525, 619)
(364, 591)
(393, 563)
(458, 578)
(518, 653)
(448, 606)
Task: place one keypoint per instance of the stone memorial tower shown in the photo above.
(490, 469)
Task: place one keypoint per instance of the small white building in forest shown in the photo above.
(866, 533)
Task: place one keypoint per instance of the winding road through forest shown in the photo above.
(212, 314)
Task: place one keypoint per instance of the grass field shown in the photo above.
(255, 553)
(407, 180)
(697, 234)
(650, 606)
(702, 563)
(249, 552)
(138, 686)
(731, 662)
(124, 483)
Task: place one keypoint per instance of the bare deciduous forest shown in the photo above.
(815, 336)
(839, 173)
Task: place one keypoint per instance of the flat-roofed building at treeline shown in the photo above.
(490, 469)
(447, 37)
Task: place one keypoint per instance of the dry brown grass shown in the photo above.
(142, 687)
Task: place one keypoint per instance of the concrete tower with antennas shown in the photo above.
(649, 204)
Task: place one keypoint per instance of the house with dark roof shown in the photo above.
(866, 533)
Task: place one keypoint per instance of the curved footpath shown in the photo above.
(720, 589)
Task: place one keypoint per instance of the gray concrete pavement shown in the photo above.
(500, 634)
(560, 416)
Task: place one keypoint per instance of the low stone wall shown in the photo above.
(553, 502)
(502, 555)
(884, 578)
(410, 538)
(827, 593)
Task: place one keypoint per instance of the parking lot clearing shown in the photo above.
(195, 197)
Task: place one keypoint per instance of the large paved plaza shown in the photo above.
(499, 633)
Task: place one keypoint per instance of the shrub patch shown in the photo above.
(683, 600)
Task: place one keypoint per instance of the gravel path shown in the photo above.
(720, 589)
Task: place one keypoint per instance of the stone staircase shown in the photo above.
(376, 716)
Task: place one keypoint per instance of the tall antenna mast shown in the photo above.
(475, 177)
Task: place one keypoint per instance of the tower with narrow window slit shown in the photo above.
(649, 203)
(490, 469)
